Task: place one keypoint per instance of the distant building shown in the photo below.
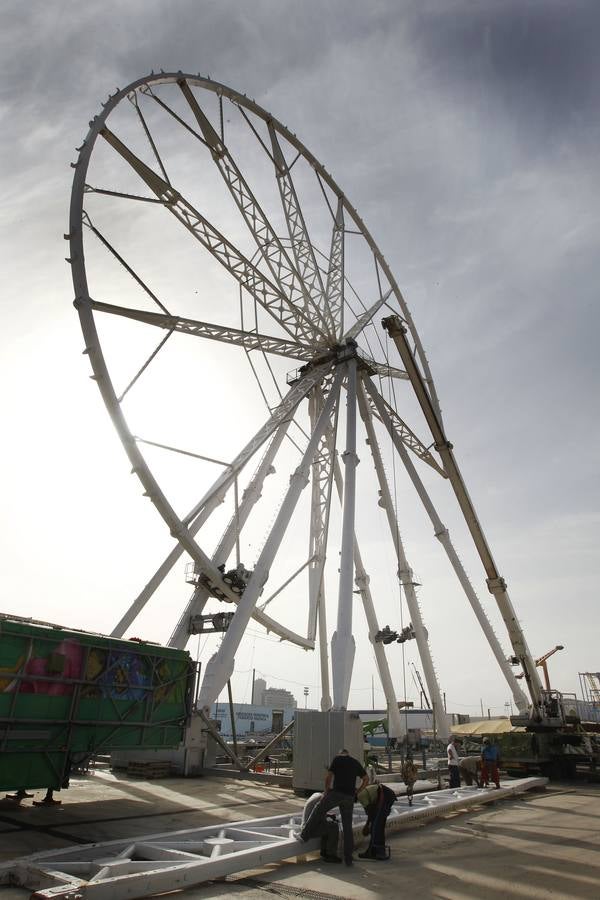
(260, 686)
(273, 697)
(250, 720)
(278, 698)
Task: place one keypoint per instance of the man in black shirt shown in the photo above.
(340, 790)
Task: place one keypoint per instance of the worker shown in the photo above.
(371, 769)
(409, 774)
(340, 790)
(377, 800)
(470, 770)
(323, 826)
(490, 757)
(453, 762)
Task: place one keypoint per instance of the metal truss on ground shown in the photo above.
(155, 863)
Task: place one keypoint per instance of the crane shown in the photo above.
(541, 663)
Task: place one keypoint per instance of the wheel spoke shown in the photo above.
(335, 274)
(250, 497)
(249, 340)
(290, 281)
(397, 428)
(362, 321)
(306, 263)
(133, 98)
(88, 222)
(383, 369)
(143, 368)
(258, 286)
(201, 512)
(288, 581)
(297, 392)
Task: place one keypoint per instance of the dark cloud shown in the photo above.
(534, 63)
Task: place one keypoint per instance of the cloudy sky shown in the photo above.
(466, 135)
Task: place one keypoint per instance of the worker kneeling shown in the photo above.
(316, 823)
(377, 800)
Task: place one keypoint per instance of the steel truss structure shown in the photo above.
(155, 863)
(177, 164)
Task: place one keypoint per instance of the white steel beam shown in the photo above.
(335, 274)
(342, 643)
(495, 582)
(322, 475)
(292, 281)
(442, 534)
(381, 407)
(220, 666)
(269, 295)
(363, 583)
(215, 496)
(306, 263)
(169, 861)
(298, 391)
(251, 495)
(383, 369)
(362, 321)
(248, 340)
(406, 577)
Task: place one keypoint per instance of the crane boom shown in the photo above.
(496, 584)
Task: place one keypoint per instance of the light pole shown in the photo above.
(305, 697)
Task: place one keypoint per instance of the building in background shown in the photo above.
(279, 697)
(272, 696)
(250, 719)
(260, 686)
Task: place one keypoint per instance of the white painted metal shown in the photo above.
(322, 479)
(442, 534)
(442, 722)
(335, 275)
(363, 583)
(292, 282)
(237, 337)
(304, 255)
(201, 512)
(284, 278)
(380, 406)
(251, 496)
(156, 863)
(342, 643)
(495, 582)
(366, 317)
(220, 667)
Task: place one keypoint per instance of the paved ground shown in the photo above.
(543, 844)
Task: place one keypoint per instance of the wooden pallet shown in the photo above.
(149, 770)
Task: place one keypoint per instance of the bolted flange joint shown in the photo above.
(496, 585)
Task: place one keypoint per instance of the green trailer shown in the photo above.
(67, 695)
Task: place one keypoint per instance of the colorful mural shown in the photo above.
(55, 670)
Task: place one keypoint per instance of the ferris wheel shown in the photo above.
(231, 300)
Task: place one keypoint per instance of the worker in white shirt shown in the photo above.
(453, 762)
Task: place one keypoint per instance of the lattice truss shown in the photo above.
(157, 863)
(231, 300)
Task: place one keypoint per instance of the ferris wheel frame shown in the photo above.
(332, 358)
